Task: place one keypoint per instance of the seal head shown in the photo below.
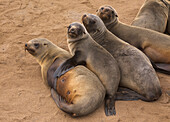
(76, 31)
(37, 47)
(107, 14)
(94, 25)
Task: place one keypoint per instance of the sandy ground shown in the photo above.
(23, 96)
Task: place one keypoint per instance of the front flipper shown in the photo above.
(69, 64)
(110, 106)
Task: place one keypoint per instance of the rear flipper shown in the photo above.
(110, 106)
(162, 68)
(125, 94)
(61, 103)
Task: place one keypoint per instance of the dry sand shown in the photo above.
(23, 96)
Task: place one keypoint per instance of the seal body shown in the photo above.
(79, 91)
(168, 23)
(152, 15)
(154, 44)
(137, 72)
(86, 51)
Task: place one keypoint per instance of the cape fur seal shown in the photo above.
(79, 91)
(153, 15)
(154, 44)
(137, 72)
(87, 52)
(168, 23)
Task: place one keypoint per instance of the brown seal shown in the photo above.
(152, 15)
(79, 91)
(154, 44)
(137, 72)
(168, 23)
(87, 52)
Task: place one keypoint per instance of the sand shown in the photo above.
(23, 95)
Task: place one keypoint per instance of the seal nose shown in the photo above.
(84, 15)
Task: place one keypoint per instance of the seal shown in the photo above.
(79, 91)
(87, 52)
(137, 72)
(153, 15)
(154, 44)
(168, 23)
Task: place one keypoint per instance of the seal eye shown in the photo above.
(36, 45)
(102, 8)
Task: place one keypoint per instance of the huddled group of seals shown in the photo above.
(82, 90)
(85, 51)
(154, 44)
(107, 58)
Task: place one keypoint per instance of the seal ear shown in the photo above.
(114, 13)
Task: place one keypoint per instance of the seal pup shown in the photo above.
(153, 15)
(87, 52)
(137, 72)
(79, 91)
(154, 44)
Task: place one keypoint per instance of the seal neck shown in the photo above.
(98, 35)
(50, 53)
(111, 24)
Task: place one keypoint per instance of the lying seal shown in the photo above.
(87, 52)
(137, 72)
(79, 91)
(152, 15)
(168, 24)
(154, 44)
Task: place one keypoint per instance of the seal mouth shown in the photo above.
(72, 34)
(30, 50)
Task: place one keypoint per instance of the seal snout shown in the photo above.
(72, 31)
(85, 19)
(29, 48)
(25, 44)
(88, 20)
